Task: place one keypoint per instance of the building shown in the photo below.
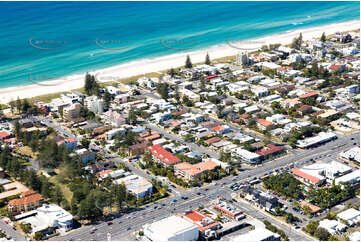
(258, 234)
(321, 138)
(206, 225)
(12, 189)
(163, 156)
(29, 200)
(94, 104)
(114, 118)
(86, 155)
(136, 185)
(193, 171)
(314, 179)
(72, 111)
(270, 150)
(48, 217)
(332, 226)
(313, 208)
(353, 154)
(313, 94)
(247, 156)
(352, 178)
(138, 149)
(264, 124)
(351, 215)
(173, 228)
(262, 199)
(228, 209)
(70, 143)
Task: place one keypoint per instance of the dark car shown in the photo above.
(206, 189)
(109, 223)
(198, 193)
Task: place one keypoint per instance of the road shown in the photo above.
(9, 231)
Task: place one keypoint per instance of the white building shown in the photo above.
(49, 216)
(351, 215)
(332, 226)
(322, 137)
(353, 154)
(258, 234)
(173, 228)
(260, 91)
(352, 178)
(136, 185)
(94, 104)
(247, 156)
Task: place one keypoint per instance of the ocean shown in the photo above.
(46, 40)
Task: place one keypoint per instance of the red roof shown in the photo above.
(164, 155)
(210, 77)
(218, 128)
(26, 200)
(4, 134)
(310, 94)
(306, 176)
(198, 219)
(335, 67)
(264, 123)
(270, 149)
(70, 140)
(282, 68)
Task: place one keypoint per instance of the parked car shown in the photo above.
(109, 223)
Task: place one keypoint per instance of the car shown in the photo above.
(184, 198)
(93, 229)
(129, 228)
(174, 200)
(92, 232)
(206, 189)
(163, 204)
(352, 138)
(120, 222)
(297, 227)
(291, 167)
(109, 223)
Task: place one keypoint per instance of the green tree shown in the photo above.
(323, 37)
(322, 234)
(38, 236)
(208, 60)
(107, 99)
(188, 62)
(18, 105)
(172, 72)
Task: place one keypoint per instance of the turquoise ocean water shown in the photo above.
(54, 39)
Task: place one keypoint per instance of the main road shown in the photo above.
(122, 227)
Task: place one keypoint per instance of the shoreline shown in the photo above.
(157, 64)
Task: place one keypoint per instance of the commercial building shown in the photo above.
(206, 225)
(321, 138)
(48, 217)
(193, 171)
(353, 154)
(332, 226)
(94, 104)
(228, 209)
(173, 228)
(247, 156)
(351, 215)
(258, 234)
(352, 178)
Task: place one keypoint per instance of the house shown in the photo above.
(71, 143)
(313, 208)
(138, 149)
(260, 91)
(29, 200)
(305, 109)
(86, 155)
(162, 155)
(193, 171)
(290, 102)
(4, 135)
(212, 140)
(337, 68)
(222, 129)
(264, 124)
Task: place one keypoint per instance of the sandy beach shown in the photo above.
(162, 63)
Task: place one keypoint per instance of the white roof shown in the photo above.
(353, 176)
(170, 226)
(258, 234)
(349, 214)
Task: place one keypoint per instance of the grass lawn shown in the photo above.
(64, 188)
(26, 150)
